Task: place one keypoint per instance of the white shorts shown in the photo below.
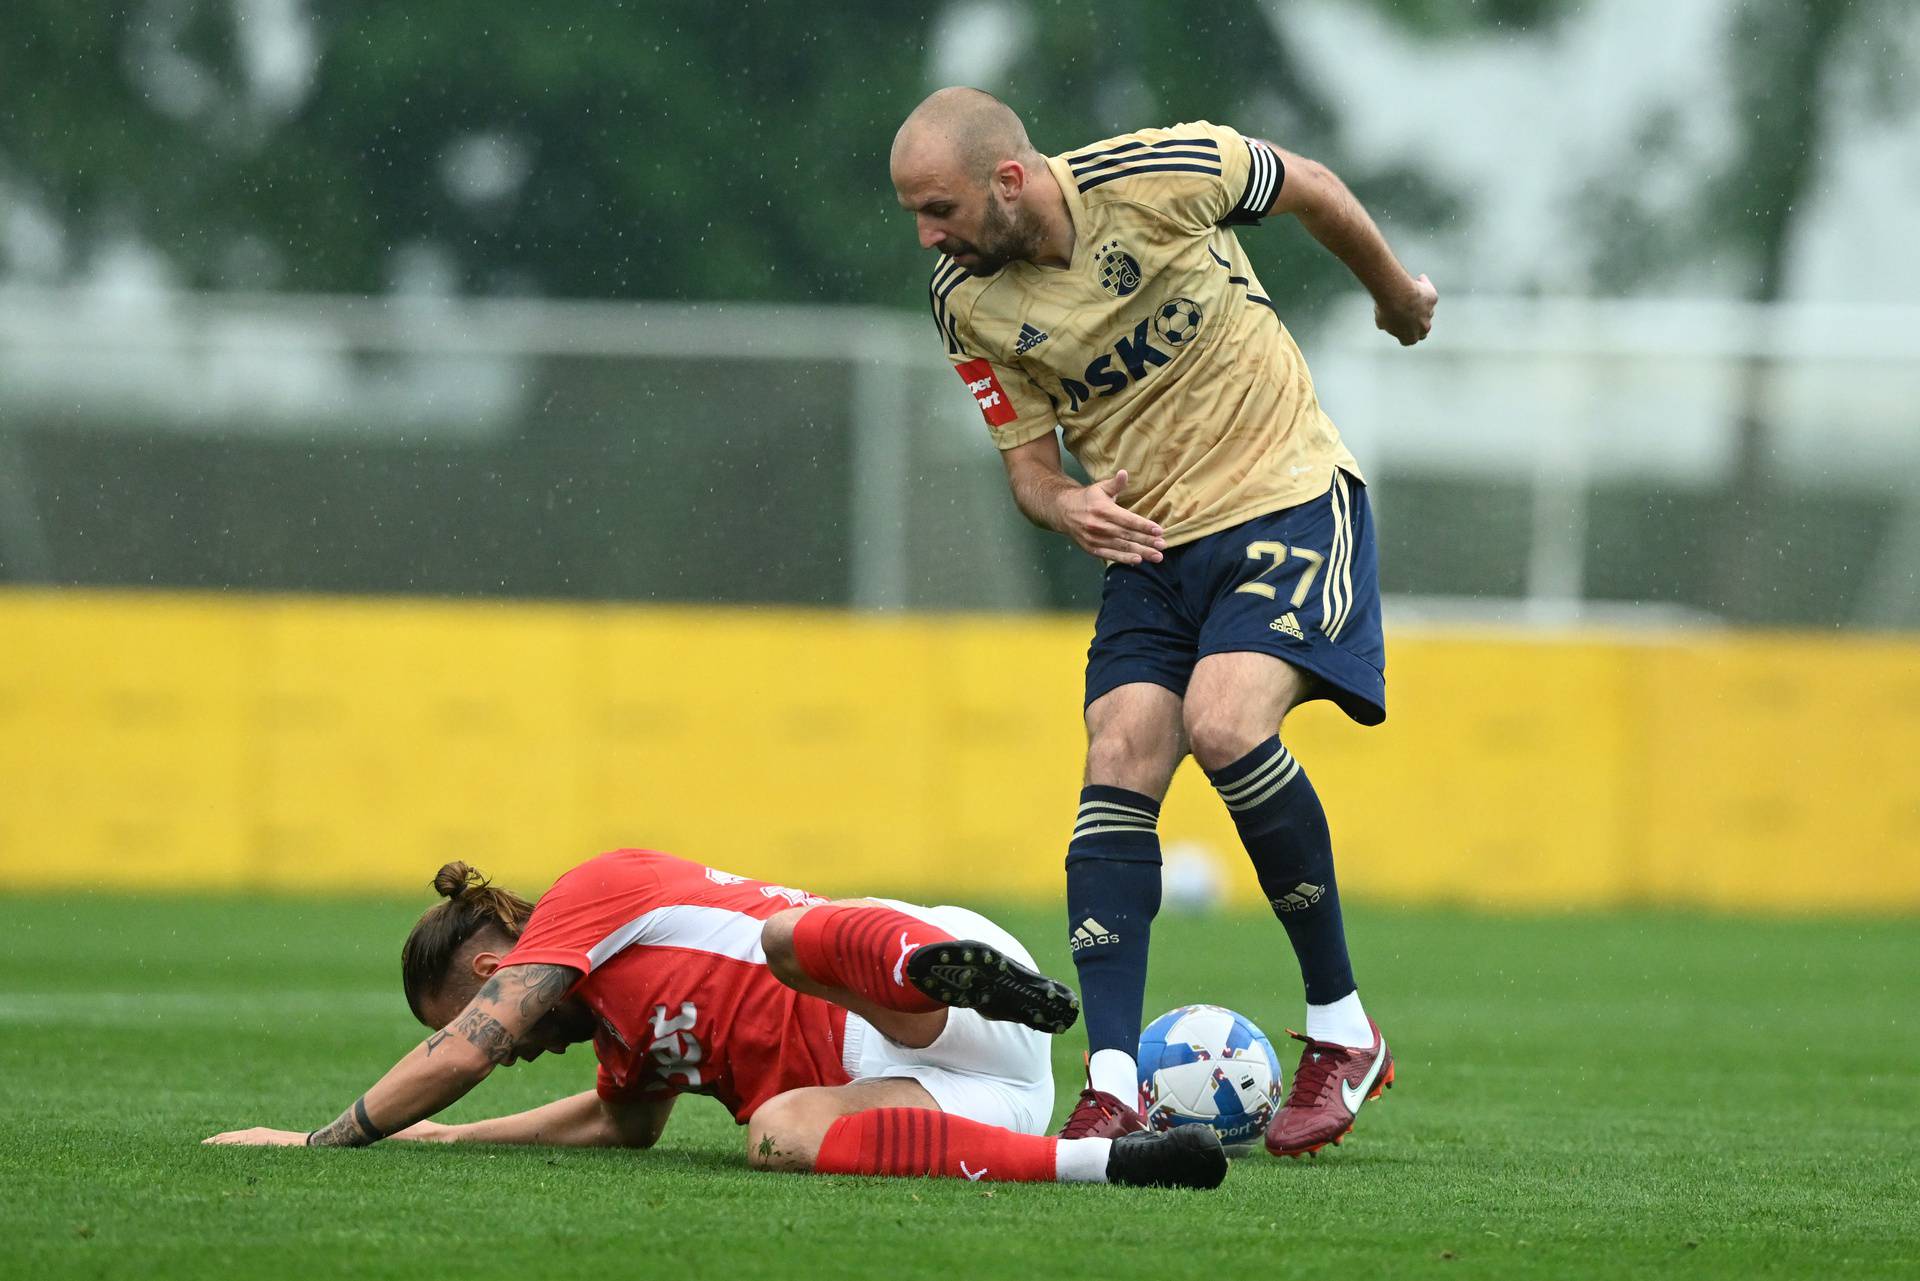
(996, 1073)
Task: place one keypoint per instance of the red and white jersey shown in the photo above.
(675, 973)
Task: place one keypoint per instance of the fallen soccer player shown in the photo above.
(859, 1037)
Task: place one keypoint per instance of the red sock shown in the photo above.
(923, 1142)
(865, 950)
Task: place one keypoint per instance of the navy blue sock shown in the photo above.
(1113, 894)
(1285, 832)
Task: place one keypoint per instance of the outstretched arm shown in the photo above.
(580, 1121)
(1313, 193)
(442, 1068)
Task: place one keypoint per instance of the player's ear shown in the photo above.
(1009, 179)
(484, 964)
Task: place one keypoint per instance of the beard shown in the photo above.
(1004, 238)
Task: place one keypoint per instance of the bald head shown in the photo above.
(959, 133)
(977, 189)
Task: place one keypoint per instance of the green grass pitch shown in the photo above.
(1599, 1095)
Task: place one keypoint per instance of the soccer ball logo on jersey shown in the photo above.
(1119, 271)
(1178, 321)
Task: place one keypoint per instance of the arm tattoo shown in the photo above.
(541, 987)
(486, 1034)
(545, 985)
(353, 1129)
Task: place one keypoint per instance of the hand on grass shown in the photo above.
(425, 1132)
(260, 1137)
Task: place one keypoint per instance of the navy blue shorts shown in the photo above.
(1301, 584)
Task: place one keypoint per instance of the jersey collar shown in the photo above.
(1076, 213)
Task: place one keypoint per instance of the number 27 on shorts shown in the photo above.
(1279, 554)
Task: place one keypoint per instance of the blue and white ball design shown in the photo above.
(1206, 1065)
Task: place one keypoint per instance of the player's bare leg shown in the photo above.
(785, 1133)
(1135, 739)
(1233, 705)
(1134, 743)
(1235, 702)
(901, 973)
(894, 1127)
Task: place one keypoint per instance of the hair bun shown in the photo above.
(455, 879)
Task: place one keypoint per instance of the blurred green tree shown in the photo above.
(1788, 65)
(625, 150)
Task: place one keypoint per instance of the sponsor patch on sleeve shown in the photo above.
(987, 392)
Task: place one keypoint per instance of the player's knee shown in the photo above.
(1222, 732)
(784, 1134)
(776, 940)
(1125, 756)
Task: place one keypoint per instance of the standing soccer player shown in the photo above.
(1103, 295)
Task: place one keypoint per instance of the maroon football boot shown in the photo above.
(1099, 1115)
(1329, 1086)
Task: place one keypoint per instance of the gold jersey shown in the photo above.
(1157, 349)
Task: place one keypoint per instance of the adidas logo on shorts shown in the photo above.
(1090, 933)
(1289, 624)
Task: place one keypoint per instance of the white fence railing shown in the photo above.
(1557, 394)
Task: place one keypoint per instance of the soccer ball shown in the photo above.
(1178, 321)
(1206, 1065)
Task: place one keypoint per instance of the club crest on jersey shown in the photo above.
(1119, 271)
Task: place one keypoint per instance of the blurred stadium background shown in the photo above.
(480, 430)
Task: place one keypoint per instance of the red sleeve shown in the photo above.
(579, 920)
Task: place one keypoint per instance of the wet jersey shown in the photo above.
(678, 983)
(1157, 349)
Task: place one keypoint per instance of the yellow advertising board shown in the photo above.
(267, 743)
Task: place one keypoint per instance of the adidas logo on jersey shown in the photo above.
(1029, 339)
(1090, 933)
(1289, 624)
